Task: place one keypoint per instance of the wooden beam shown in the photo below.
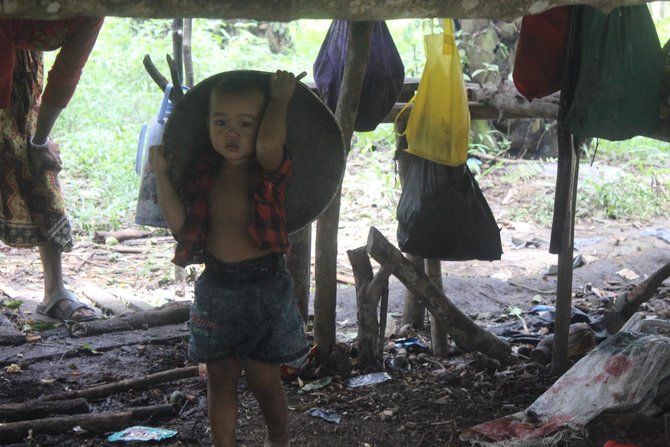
(503, 101)
(286, 10)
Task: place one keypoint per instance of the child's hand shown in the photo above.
(157, 159)
(282, 84)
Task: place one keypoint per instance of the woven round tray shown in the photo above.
(314, 143)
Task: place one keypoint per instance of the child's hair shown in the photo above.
(242, 83)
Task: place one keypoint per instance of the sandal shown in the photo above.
(51, 309)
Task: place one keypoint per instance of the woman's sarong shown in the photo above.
(32, 210)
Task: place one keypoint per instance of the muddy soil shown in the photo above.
(427, 401)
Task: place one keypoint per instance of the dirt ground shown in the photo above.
(426, 401)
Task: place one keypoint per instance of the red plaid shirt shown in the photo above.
(267, 226)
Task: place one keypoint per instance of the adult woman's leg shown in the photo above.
(54, 286)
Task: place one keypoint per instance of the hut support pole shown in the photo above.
(325, 269)
(562, 242)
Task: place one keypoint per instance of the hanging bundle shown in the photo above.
(438, 127)
(540, 52)
(384, 73)
(614, 73)
(442, 214)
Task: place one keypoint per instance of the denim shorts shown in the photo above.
(248, 310)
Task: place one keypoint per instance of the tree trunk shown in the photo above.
(325, 271)
(299, 263)
(465, 333)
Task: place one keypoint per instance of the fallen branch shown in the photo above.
(97, 423)
(172, 313)
(532, 289)
(128, 384)
(40, 409)
(628, 303)
(466, 334)
(120, 235)
(9, 335)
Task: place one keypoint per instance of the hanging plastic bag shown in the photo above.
(383, 79)
(438, 127)
(442, 214)
(616, 66)
(147, 211)
(540, 52)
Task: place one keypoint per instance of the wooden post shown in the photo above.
(370, 291)
(299, 263)
(562, 242)
(438, 331)
(187, 52)
(178, 47)
(325, 270)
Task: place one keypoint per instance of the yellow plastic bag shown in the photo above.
(438, 127)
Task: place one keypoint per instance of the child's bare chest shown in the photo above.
(230, 200)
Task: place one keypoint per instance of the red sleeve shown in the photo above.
(7, 55)
(66, 70)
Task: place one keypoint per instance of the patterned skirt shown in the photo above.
(32, 211)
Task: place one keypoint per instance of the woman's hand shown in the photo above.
(45, 157)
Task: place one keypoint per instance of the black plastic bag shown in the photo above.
(442, 214)
(384, 73)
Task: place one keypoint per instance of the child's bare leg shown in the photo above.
(222, 379)
(264, 380)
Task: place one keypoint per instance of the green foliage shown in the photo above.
(12, 304)
(98, 132)
(628, 197)
(663, 27)
(39, 326)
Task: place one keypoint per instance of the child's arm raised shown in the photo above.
(272, 131)
(168, 199)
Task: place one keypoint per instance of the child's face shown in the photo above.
(233, 124)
